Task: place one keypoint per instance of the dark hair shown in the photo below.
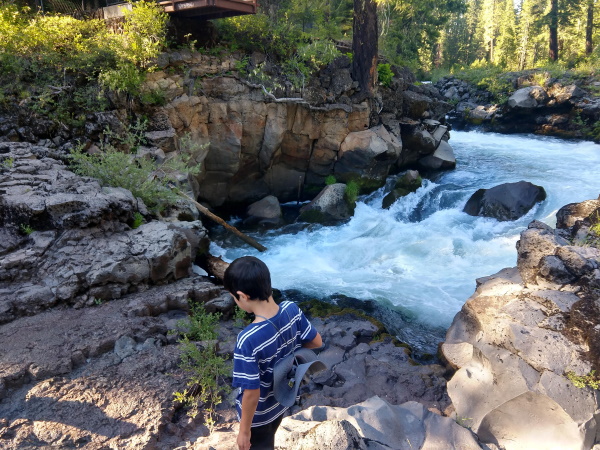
(249, 275)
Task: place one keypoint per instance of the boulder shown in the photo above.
(508, 201)
(569, 214)
(442, 159)
(400, 427)
(265, 212)
(367, 154)
(407, 183)
(327, 207)
(530, 421)
(528, 98)
(563, 94)
(537, 242)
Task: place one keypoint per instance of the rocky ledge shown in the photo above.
(528, 335)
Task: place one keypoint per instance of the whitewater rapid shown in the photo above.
(424, 254)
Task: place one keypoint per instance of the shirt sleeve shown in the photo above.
(245, 368)
(308, 332)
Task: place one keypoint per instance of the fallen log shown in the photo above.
(205, 211)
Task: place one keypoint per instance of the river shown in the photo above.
(418, 261)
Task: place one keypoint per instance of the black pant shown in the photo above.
(263, 437)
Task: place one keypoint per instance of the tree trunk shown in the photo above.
(364, 45)
(589, 27)
(554, 31)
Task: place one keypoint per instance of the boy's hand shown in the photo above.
(243, 440)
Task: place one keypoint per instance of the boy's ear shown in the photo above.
(242, 296)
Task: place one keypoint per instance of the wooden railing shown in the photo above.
(209, 9)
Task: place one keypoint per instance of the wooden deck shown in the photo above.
(209, 9)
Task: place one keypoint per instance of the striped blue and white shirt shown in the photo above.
(259, 346)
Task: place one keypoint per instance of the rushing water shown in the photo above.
(422, 256)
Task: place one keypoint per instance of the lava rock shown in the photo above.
(505, 202)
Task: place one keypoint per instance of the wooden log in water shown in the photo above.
(205, 211)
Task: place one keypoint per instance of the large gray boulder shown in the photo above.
(528, 98)
(329, 206)
(508, 201)
(442, 159)
(369, 154)
(378, 424)
(407, 183)
(265, 212)
(68, 240)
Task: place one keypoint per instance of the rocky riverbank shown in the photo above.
(88, 361)
(534, 102)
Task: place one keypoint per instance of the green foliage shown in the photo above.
(26, 229)
(351, 192)
(318, 54)
(330, 179)
(242, 66)
(154, 97)
(60, 52)
(595, 228)
(138, 220)
(488, 77)
(200, 326)
(240, 317)
(7, 163)
(589, 380)
(126, 77)
(203, 367)
(258, 33)
(142, 176)
(385, 74)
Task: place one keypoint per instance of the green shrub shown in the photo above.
(318, 53)
(351, 192)
(257, 32)
(138, 220)
(51, 49)
(330, 179)
(589, 380)
(143, 177)
(203, 367)
(385, 74)
(26, 229)
(200, 326)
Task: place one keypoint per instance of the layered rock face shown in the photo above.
(67, 240)
(260, 145)
(523, 331)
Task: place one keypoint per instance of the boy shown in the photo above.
(277, 331)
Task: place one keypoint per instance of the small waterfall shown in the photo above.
(420, 258)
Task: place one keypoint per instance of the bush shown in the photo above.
(48, 48)
(385, 74)
(351, 192)
(203, 366)
(143, 177)
(318, 54)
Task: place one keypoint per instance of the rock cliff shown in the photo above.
(259, 144)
